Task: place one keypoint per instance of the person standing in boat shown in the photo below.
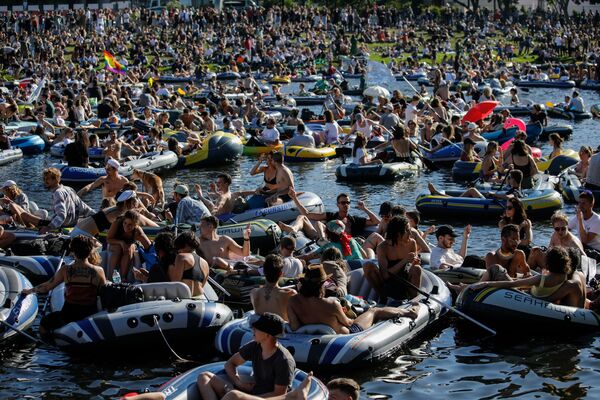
(592, 176)
(272, 364)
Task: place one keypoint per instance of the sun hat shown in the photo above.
(125, 195)
(336, 226)
(315, 273)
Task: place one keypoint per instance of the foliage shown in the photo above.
(173, 4)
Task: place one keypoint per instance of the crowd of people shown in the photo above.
(55, 56)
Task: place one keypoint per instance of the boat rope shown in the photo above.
(167, 342)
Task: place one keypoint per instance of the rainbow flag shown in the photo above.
(113, 65)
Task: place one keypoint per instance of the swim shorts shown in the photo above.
(355, 328)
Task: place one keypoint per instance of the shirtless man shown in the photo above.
(284, 182)
(504, 263)
(310, 307)
(114, 146)
(217, 249)
(112, 183)
(271, 298)
(220, 200)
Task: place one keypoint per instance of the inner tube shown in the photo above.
(16, 309)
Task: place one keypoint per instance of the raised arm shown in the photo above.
(373, 218)
(303, 210)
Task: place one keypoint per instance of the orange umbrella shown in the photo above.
(480, 110)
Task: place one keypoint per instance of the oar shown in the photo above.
(453, 309)
(19, 331)
(419, 94)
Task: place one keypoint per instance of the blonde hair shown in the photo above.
(559, 216)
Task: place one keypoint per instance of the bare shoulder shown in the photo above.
(288, 292)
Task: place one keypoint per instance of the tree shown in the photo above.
(562, 6)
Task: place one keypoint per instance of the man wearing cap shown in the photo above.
(473, 133)
(271, 297)
(188, 210)
(310, 306)
(67, 206)
(354, 225)
(111, 183)
(442, 255)
(272, 364)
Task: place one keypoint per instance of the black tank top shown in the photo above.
(195, 273)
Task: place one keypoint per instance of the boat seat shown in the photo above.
(359, 286)
(168, 290)
(312, 329)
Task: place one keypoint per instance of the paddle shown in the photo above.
(419, 94)
(453, 309)
(14, 315)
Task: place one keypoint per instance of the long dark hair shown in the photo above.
(165, 242)
(397, 227)
(359, 142)
(519, 216)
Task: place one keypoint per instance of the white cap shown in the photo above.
(8, 183)
(113, 163)
(472, 126)
(126, 195)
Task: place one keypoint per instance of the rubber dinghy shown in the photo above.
(15, 309)
(149, 162)
(36, 269)
(539, 204)
(507, 308)
(188, 323)
(319, 346)
(10, 155)
(183, 387)
(282, 212)
(378, 172)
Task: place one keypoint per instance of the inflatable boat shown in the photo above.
(282, 212)
(555, 84)
(94, 153)
(533, 132)
(32, 144)
(8, 156)
(449, 154)
(187, 323)
(306, 154)
(37, 269)
(218, 149)
(538, 204)
(378, 172)
(16, 309)
(183, 387)
(319, 345)
(469, 171)
(149, 162)
(561, 129)
(560, 112)
(509, 308)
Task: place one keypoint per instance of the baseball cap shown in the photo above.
(8, 183)
(125, 195)
(385, 208)
(445, 230)
(472, 126)
(112, 163)
(269, 323)
(182, 189)
(469, 141)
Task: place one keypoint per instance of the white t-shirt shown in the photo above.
(292, 267)
(444, 256)
(410, 114)
(270, 134)
(590, 225)
(593, 172)
(331, 132)
(360, 153)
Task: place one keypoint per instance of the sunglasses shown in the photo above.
(510, 208)
(345, 203)
(560, 228)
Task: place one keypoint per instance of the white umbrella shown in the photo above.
(376, 91)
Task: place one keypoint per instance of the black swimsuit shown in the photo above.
(101, 221)
(195, 273)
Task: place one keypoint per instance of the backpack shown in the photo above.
(113, 296)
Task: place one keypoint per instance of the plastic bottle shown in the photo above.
(116, 277)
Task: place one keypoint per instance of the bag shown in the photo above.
(113, 296)
(33, 247)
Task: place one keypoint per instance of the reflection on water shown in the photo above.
(452, 359)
